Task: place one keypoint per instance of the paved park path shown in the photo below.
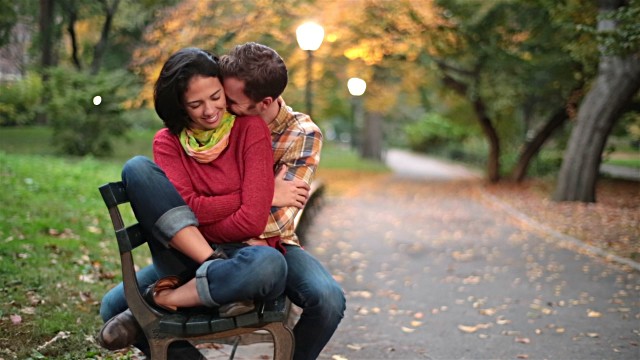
(431, 270)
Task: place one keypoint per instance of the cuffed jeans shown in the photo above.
(308, 284)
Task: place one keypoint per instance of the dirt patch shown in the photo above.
(612, 223)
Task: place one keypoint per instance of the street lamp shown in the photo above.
(310, 36)
(356, 88)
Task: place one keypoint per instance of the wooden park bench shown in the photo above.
(161, 330)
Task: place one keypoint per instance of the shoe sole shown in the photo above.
(235, 309)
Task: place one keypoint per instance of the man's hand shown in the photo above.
(289, 192)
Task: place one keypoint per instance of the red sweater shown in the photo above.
(232, 195)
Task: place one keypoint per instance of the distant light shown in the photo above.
(97, 100)
(356, 86)
(310, 36)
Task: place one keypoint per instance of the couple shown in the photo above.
(221, 228)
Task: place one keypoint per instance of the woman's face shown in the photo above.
(205, 102)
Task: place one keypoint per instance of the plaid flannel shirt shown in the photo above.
(296, 142)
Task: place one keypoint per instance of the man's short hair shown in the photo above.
(262, 70)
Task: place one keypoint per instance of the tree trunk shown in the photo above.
(101, 46)
(493, 162)
(47, 59)
(617, 82)
(46, 33)
(372, 142)
(71, 29)
(532, 148)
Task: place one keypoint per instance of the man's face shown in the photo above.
(237, 102)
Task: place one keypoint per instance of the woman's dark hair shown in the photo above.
(172, 83)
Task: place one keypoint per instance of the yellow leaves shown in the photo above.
(367, 50)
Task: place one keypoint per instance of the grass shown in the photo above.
(58, 254)
(631, 163)
(36, 140)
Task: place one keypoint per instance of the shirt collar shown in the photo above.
(279, 124)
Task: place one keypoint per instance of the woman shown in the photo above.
(209, 194)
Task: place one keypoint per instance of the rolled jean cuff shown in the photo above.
(173, 221)
(202, 284)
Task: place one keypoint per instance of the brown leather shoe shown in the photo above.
(119, 332)
(166, 283)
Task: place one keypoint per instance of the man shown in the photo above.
(254, 77)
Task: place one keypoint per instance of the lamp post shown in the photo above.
(309, 36)
(356, 88)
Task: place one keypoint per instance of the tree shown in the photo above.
(618, 80)
(8, 19)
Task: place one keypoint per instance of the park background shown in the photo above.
(536, 94)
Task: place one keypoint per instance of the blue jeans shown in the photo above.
(308, 284)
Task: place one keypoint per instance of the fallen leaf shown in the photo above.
(418, 315)
(468, 329)
(522, 356)
(471, 280)
(407, 330)
(94, 229)
(416, 323)
(593, 335)
(354, 347)
(28, 310)
(471, 329)
(523, 340)
(339, 357)
(487, 312)
(593, 314)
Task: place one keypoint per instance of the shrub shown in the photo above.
(79, 126)
(433, 132)
(20, 101)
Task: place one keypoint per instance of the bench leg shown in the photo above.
(158, 349)
(283, 341)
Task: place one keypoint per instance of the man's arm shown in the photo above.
(289, 192)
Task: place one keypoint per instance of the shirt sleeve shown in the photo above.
(168, 154)
(302, 159)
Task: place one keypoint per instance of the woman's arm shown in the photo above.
(169, 155)
(256, 165)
